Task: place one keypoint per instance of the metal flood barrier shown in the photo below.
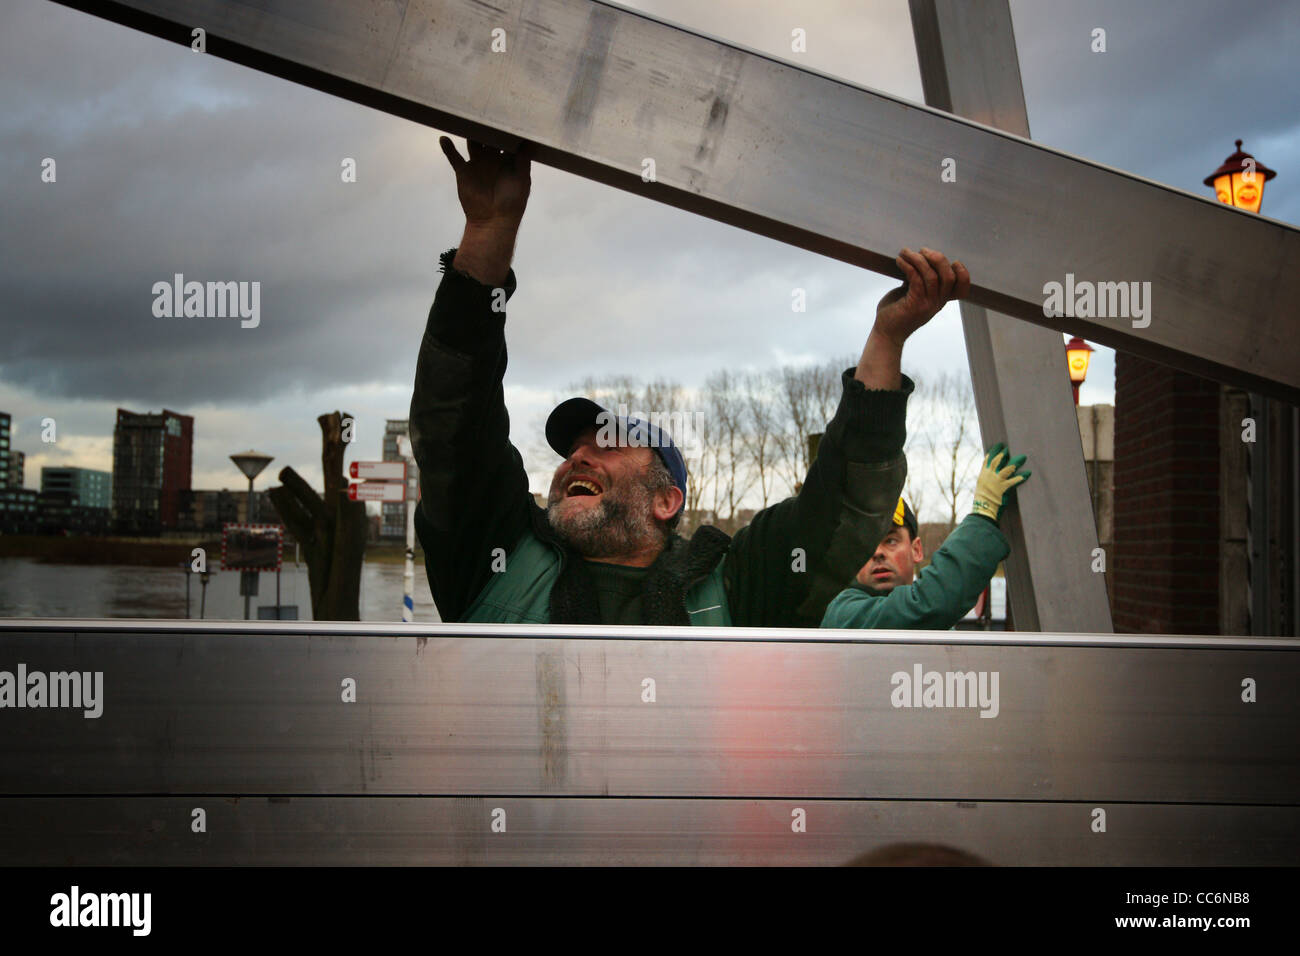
(326, 743)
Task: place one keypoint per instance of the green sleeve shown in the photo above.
(940, 596)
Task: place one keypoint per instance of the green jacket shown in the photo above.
(475, 509)
(940, 596)
(536, 564)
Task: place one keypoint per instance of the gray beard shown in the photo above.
(622, 523)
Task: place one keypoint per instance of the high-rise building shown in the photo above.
(4, 449)
(60, 512)
(394, 512)
(18, 511)
(84, 486)
(152, 458)
(17, 463)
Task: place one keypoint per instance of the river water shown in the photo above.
(29, 588)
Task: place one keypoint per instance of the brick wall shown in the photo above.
(1165, 565)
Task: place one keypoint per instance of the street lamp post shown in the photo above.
(203, 597)
(251, 464)
(1239, 182)
(1077, 355)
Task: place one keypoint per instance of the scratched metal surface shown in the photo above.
(788, 153)
(969, 66)
(340, 831)
(259, 710)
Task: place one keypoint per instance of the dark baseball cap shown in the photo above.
(571, 418)
(904, 517)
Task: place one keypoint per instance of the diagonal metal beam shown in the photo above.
(791, 154)
(969, 66)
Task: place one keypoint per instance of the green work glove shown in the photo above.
(998, 476)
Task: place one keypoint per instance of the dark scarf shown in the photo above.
(663, 596)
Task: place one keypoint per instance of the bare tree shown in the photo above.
(609, 391)
(702, 471)
(662, 396)
(807, 398)
(790, 386)
(830, 387)
(726, 410)
(953, 440)
(762, 442)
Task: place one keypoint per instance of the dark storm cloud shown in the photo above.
(1176, 85)
(198, 167)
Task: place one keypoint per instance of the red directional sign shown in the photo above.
(377, 491)
(378, 470)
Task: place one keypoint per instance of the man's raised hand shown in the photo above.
(930, 282)
(492, 186)
(493, 189)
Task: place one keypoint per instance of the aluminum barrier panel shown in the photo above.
(146, 742)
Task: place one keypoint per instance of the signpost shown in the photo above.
(252, 549)
(377, 491)
(392, 481)
(378, 470)
(412, 488)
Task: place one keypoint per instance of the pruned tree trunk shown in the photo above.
(331, 531)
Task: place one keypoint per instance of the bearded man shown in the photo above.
(605, 549)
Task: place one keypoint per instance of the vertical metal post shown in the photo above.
(248, 518)
(1257, 523)
(1293, 543)
(1292, 547)
(969, 67)
(408, 573)
(1096, 469)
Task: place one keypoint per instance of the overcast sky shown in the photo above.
(173, 162)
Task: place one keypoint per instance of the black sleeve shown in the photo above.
(787, 564)
(474, 494)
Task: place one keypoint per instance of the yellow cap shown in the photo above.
(905, 518)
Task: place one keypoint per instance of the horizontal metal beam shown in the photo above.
(262, 711)
(601, 632)
(445, 831)
(791, 154)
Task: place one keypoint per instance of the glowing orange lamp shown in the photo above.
(1077, 355)
(1240, 181)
